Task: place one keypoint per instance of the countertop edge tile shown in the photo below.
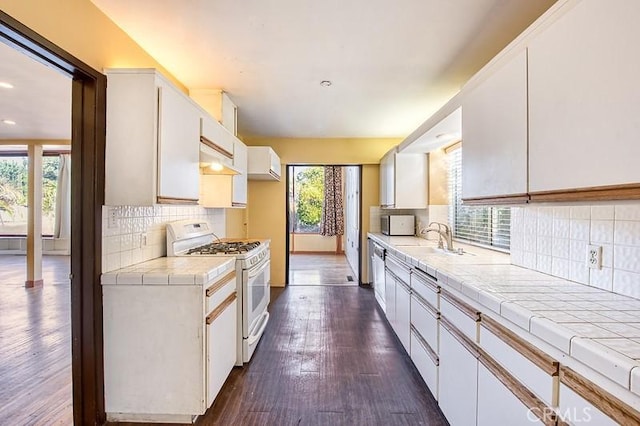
(608, 362)
(635, 380)
(552, 333)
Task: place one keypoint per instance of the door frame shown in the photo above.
(88, 124)
(288, 218)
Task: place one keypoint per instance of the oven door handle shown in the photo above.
(256, 336)
(258, 270)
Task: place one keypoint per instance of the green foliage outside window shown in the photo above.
(308, 198)
(14, 186)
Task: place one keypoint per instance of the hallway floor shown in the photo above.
(35, 344)
(320, 269)
(327, 358)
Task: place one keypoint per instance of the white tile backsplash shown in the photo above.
(554, 240)
(122, 244)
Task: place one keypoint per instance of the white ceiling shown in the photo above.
(40, 101)
(392, 63)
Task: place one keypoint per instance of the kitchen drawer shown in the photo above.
(220, 290)
(399, 268)
(425, 360)
(583, 402)
(424, 318)
(457, 376)
(462, 315)
(532, 367)
(498, 403)
(426, 287)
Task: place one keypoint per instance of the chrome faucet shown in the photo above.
(446, 234)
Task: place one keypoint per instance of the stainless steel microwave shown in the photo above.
(398, 224)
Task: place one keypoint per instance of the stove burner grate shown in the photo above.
(227, 247)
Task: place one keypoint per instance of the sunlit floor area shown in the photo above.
(35, 344)
(320, 269)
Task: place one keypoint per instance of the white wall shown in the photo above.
(50, 246)
(554, 240)
(121, 245)
(300, 243)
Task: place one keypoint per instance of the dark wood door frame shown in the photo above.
(87, 197)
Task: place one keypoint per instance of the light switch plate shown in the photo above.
(594, 256)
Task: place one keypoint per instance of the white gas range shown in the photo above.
(195, 238)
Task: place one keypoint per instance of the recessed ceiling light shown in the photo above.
(325, 83)
(6, 85)
(10, 122)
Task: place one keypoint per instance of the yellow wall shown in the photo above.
(267, 199)
(438, 181)
(81, 29)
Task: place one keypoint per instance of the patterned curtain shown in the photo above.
(332, 209)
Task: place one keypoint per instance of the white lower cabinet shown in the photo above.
(425, 360)
(458, 381)
(403, 313)
(221, 335)
(390, 297)
(498, 405)
(576, 410)
(532, 376)
(424, 320)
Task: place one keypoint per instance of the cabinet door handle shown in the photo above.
(221, 307)
(220, 283)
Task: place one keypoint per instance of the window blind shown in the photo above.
(488, 226)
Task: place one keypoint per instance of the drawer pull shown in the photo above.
(465, 308)
(421, 300)
(526, 349)
(432, 354)
(616, 409)
(221, 307)
(221, 283)
(428, 280)
(520, 391)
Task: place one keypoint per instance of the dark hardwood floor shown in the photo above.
(327, 358)
(35, 344)
(320, 269)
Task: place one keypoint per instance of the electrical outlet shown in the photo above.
(594, 256)
(112, 218)
(143, 239)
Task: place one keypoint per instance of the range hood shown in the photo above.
(216, 148)
(214, 162)
(263, 163)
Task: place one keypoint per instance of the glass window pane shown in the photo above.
(308, 197)
(50, 166)
(13, 195)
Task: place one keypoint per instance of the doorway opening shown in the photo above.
(324, 224)
(83, 299)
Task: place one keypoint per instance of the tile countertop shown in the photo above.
(194, 270)
(596, 327)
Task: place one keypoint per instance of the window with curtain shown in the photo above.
(489, 226)
(14, 196)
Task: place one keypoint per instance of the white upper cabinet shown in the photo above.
(404, 181)
(494, 133)
(152, 141)
(239, 181)
(263, 163)
(584, 94)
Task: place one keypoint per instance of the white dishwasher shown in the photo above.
(377, 265)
